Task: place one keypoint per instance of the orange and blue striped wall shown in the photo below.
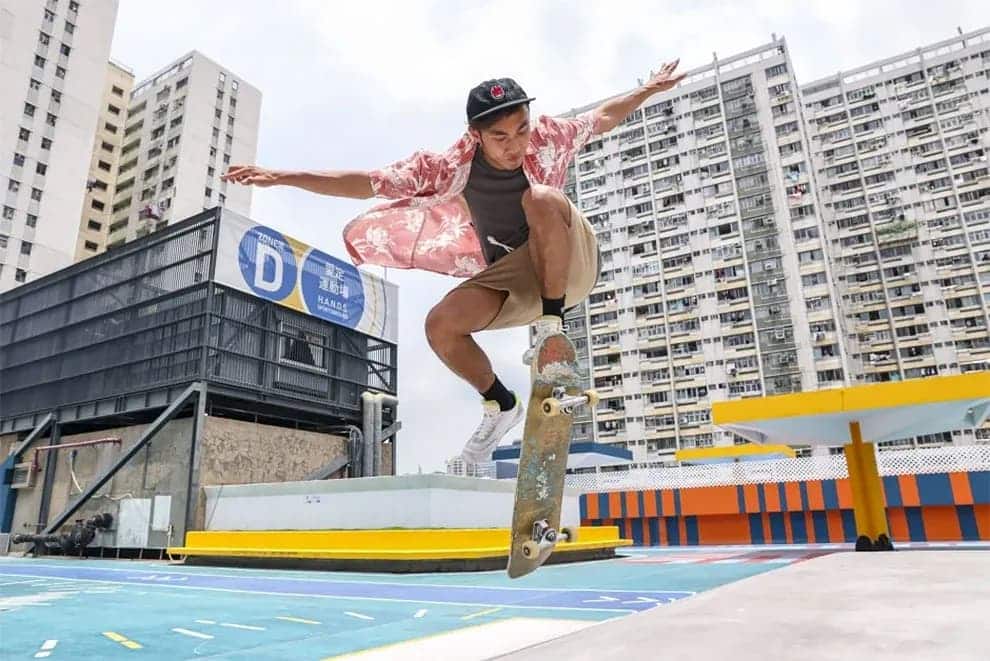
(935, 507)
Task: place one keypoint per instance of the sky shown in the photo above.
(357, 85)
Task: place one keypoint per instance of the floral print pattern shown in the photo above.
(428, 225)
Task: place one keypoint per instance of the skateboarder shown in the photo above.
(490, 209)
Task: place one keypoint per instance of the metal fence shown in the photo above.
(900, 462)
(120, 331)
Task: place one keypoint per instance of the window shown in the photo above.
(117, 91)
(70, 27)
(26, 247)
(66, 50)
(222, 78)
(209, 192)
(233, 85)
(20, 275)
(56, 96)
(60, 72)
(36, 194)
(93, 225)
(18, 159)
(41, 168)
(32, 220)
(35, 84)
(73, 5)
(99, 206)
(51, 119)
(114, 110)
(29, 110)
(103, 165)
(13, 186)
(39, 61)
(106, 146)
(8, 213)
(110, 127)
(90, 246)
(210, 171)
(302, 347)
(182, 83)
(223, 199)
(24, 134)
(46, 143)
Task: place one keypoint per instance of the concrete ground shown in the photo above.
(911, 604)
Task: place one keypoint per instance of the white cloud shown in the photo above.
(357, 85)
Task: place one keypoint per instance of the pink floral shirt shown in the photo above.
(428, 226)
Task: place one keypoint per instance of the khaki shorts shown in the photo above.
(515, 275)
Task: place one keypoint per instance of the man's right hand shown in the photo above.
(251, 175)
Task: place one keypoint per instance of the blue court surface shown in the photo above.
(109, 609)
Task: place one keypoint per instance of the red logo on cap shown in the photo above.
(497, 92)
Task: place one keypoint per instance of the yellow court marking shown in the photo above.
(296, 619)
(123, 640)
(480, 613)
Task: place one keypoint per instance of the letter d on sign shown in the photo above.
(264, 254)
(267, 263)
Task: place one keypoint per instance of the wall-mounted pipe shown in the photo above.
(35, 466)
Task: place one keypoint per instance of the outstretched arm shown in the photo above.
(354, 184)
(612, 113)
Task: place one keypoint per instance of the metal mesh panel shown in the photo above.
(930, 460)
(258, 344)
(134, 320)
(113, 325)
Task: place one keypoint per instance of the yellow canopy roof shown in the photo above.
(885, 411)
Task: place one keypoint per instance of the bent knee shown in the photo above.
(541, 202)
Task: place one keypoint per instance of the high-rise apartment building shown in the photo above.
(185, 125)
(900, 155)
(54, 64)
(94, 224)
(726, 266)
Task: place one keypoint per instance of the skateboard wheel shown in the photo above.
(569, 533)
(593, 398)
(551, 407)
(530, 549)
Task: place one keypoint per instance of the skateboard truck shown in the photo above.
(545, 538)
(561, 402)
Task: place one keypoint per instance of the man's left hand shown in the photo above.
(666, 78)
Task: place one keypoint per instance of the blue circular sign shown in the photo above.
(267, 263)
(332, 289)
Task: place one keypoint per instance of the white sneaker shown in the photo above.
(494, 425)
(544, 327)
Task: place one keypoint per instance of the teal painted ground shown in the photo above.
(180, 612)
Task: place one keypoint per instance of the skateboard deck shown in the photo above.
(556, 390)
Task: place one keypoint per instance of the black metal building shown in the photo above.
(119, 338)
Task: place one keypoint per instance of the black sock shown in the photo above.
(498, 392)
(553, 307)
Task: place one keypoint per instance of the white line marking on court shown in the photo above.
(194, 634)
(599, 600)
(355, 580)
(389, 600)
(205, 622)
(46, 649)
(296, 619)
(242, 626)
(360, 616)
(420, 613)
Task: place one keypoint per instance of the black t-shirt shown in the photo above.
(495, 199)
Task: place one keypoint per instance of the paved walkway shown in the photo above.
(912, 604)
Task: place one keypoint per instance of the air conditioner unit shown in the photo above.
(22, 476)
(780, 335)
(769, 266)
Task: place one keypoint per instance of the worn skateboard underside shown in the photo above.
(543, 462)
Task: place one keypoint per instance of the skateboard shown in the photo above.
(556, 391)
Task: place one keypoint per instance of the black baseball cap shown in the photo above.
(493, 95)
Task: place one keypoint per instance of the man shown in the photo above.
(490, 208)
